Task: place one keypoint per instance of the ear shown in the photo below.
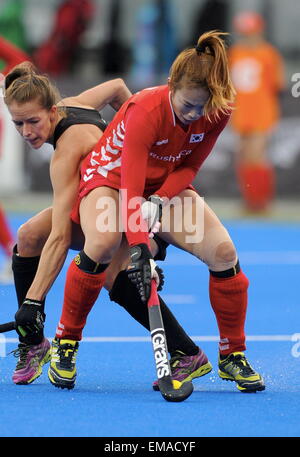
(170, 86)
(53, 112)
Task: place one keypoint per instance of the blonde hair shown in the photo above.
(206, 66)
(24, 84)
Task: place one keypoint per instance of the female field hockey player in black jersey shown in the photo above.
(73, 125)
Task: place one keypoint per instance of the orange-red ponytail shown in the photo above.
(206, 66)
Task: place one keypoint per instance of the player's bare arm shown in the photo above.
(113, 93)
(65, 178)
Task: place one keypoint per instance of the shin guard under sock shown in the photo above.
(81, 292)
(125, 293)
(24, 271)
(228, 296)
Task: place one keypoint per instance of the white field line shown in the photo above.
(143, 339)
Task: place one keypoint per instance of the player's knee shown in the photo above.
(225, 255)
(30, 242)
(102, 249)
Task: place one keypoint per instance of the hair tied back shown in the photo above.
(199, 49)
(204, 49)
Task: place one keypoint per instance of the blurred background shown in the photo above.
(81, 43)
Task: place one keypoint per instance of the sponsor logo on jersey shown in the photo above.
(196, 137)
(171, 158)
(158, 143)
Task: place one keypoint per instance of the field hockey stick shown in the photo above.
(171, 390)
(8, 327)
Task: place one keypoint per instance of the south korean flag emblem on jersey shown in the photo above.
(196, 137)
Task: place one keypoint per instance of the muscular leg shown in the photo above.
(86, 273)
(210, 242)
(123, 292)
(32, 236)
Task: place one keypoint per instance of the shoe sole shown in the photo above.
(202, 371)
(61, 383)
(44, 360)
(251, 388)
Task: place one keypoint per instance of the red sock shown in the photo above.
(6, 238)
(257, 184)
(81, 292)
(228, 297)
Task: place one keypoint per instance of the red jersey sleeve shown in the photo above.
(184, 175)
(140, 134)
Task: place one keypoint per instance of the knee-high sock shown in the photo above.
(229, 298)
(257, 185)
(6, 237)
(81, 292)
(24, 270)
(125, 294)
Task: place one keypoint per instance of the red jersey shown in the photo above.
(158, 154)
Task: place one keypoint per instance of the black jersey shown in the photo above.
(77, 115)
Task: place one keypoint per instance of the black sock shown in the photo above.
(24, 270)
(125, 294)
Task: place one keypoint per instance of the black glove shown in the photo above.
(30, 318)
(143, 269)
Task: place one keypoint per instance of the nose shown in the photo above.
(26, 130)
(194, 114)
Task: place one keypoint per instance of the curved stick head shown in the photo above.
(171, 394)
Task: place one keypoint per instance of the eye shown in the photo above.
(18, 123)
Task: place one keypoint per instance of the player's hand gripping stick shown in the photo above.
(142, 269)
(30, 318)
(152, 213)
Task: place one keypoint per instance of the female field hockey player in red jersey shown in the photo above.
(152, 150)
